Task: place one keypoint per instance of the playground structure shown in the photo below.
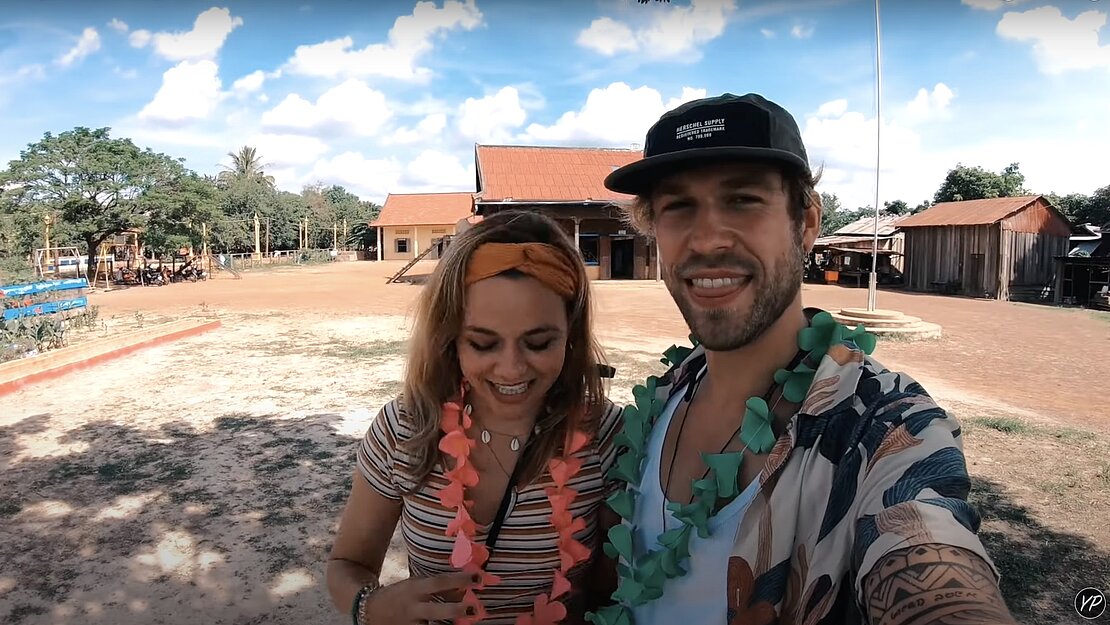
(123, 259)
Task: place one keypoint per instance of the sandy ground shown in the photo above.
(201, 480)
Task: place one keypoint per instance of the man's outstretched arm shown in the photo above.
(934, 585)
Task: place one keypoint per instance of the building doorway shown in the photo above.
(623, 259)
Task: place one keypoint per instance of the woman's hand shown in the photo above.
(410, 602)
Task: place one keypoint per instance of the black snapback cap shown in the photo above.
(718, 128)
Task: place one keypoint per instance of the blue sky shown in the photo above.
(390, 96)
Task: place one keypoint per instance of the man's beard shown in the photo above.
(726, 329)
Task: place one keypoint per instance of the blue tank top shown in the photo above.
(699, 596)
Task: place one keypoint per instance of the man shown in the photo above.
(831, 492)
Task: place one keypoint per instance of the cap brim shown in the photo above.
(638, 178)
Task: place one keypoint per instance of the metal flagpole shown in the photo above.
(873, 282)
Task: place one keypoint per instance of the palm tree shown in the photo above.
(246, 165)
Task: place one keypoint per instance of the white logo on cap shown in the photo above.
(695, 131)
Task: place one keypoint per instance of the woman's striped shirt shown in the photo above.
(527, 552)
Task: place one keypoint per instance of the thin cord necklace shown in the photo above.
(487, 434)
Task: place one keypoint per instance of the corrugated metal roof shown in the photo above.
(549, 174)
(425, 209)
(866, 225)
(835, 239)
(969, 212)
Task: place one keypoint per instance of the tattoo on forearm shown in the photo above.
(934, 585)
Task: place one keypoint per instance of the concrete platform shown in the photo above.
(888, 323)
(16, 374)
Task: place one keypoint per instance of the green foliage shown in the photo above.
(92, 186)
(95, 183)
(897, 207)
(975, 183)
(1084, 209)
(15, 271)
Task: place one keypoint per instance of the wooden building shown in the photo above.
(410, 223)
(1083, 276)
(844, 257)
(999, 248)
(566, 183)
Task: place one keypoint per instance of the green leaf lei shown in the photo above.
(642, 579)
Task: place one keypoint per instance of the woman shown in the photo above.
(494, 457)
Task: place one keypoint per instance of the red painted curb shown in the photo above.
(39, 376)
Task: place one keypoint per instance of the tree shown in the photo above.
(833, 216)
(95, 183)
(178, 210)
(975, 183)
(920, 207)
(897, 207)
(246, 165)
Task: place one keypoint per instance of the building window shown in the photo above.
(401, 246)
(590, 246)
(401, 232)
(439, 231)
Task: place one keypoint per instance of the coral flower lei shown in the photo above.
(471, 556)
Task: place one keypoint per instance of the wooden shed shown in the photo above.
(566, 183)
(1000, 248)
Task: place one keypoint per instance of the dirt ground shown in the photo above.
(201, 480)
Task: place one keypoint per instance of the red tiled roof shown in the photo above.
(548, 174)
(968, 212)
(425, 209)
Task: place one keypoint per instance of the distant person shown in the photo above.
(789, 477)
(493, 459)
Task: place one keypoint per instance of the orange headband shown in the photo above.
(539, 260)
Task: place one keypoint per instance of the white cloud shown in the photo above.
(767, 32)
(410, 38)
(210, 29)
(125, 73)
(800, 31)
(490, 119)
(617, 115)
(427, 129)
(88, 43)
(287, 151)
(991, 5)
(250, 83)
(833, 108)
(1059, 44)
(118, 25)
(139, 38)
(930, 105)
(608, 37)
(32, 71)
(370, 179)
(190, 91)
(673, 32)
(350, 107)
(843, 143)
(432, 171)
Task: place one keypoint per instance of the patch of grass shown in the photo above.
(1103, 475)
(9, 507)
(280, 517)
(24, 610)
(354, 350)
(1007, 425)
(170, 471)
(1073, 435)
(281, 556)
(276, 465)
(323, 455)
(295, 446)
(236, 421)
(196, 495)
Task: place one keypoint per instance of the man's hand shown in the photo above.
(934, 585)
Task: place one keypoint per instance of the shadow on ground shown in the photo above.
(126, 525)
(1042, 569)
